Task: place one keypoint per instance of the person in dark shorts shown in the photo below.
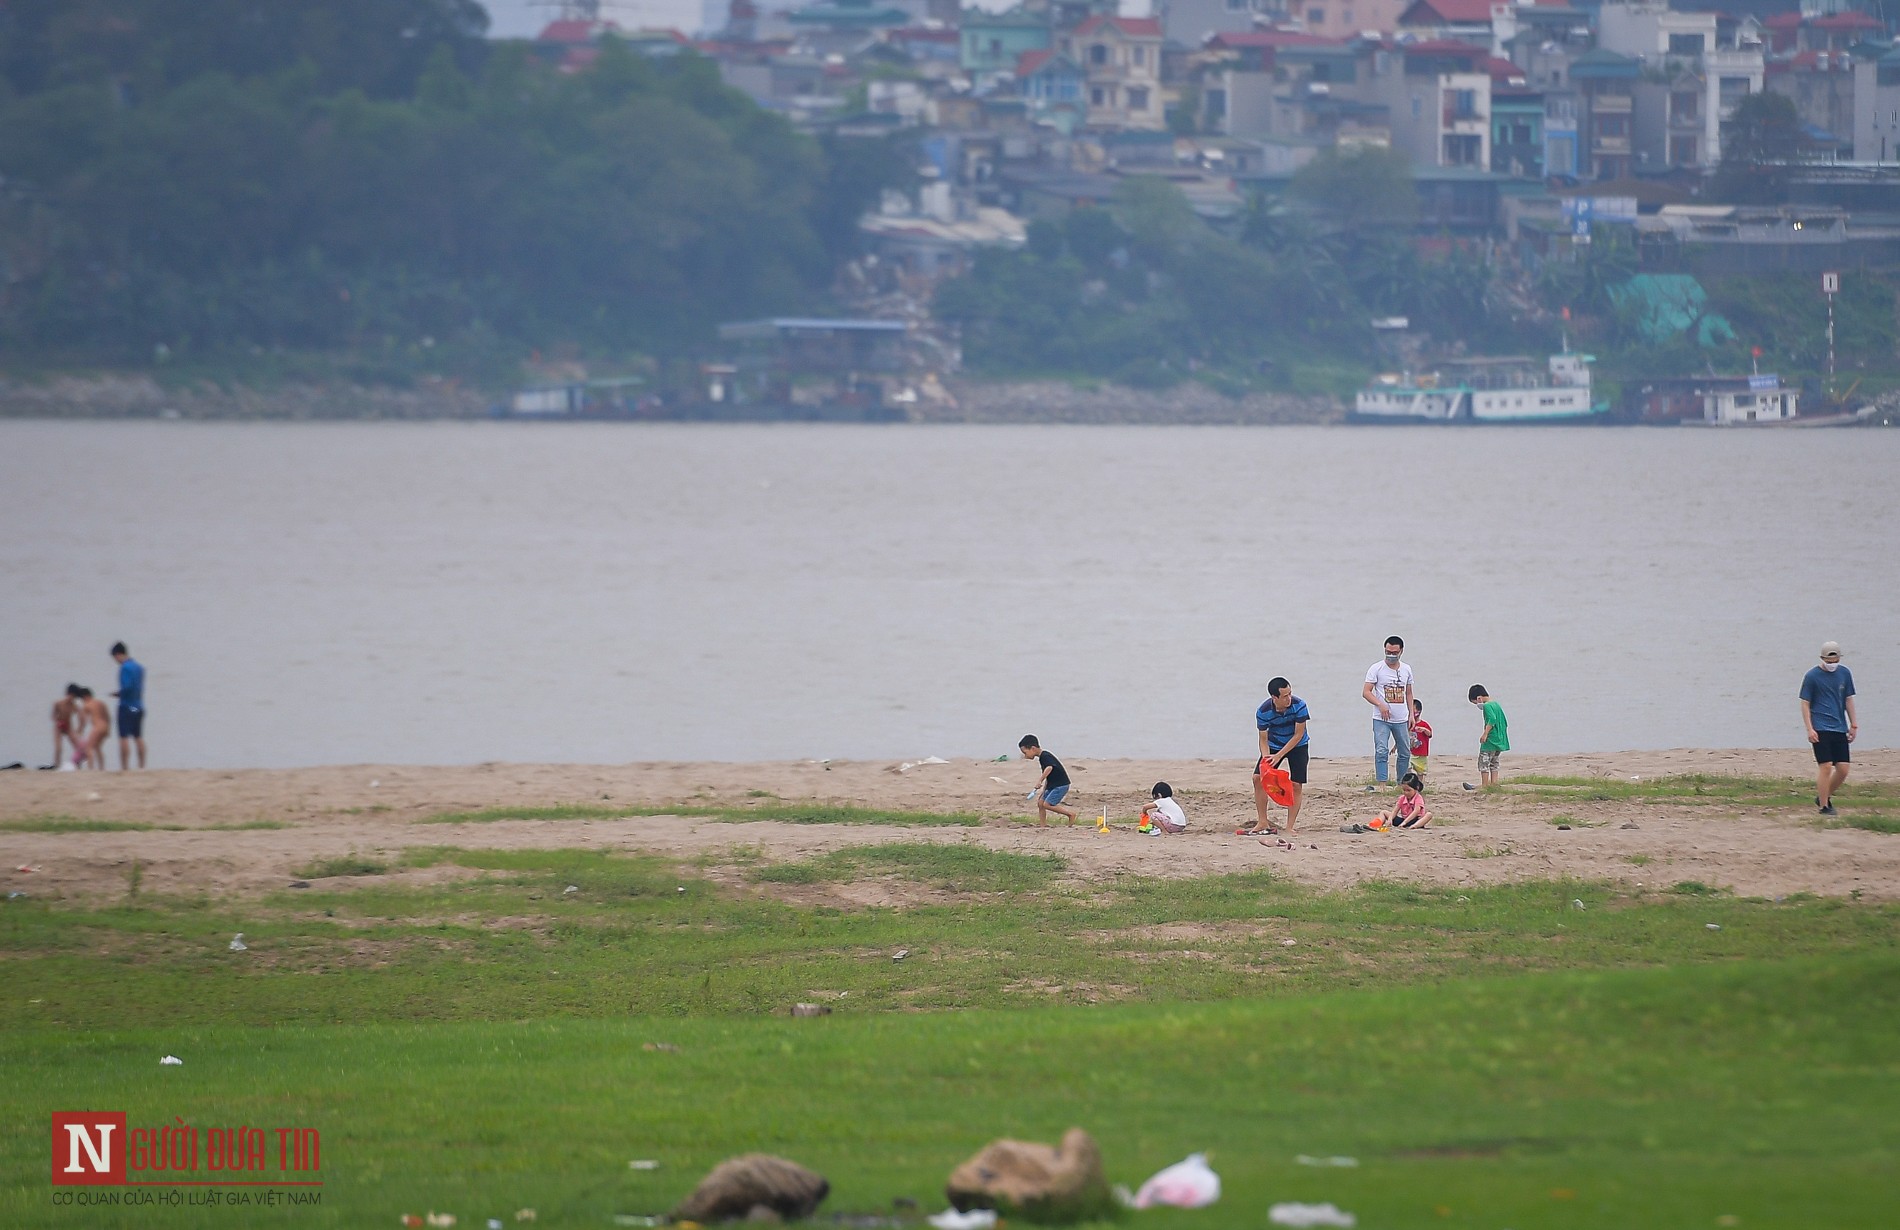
(131, 696)
(1281, 721)
(1052, 787)
(1827, 710)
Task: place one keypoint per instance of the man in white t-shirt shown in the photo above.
(1389, 691)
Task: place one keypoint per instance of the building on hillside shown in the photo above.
(1821, 86)
(1052, 85)
(1560, 133)
(1517, 131)
(1487, 23)
(1437, 96)
(1190, 23)
(1877, 105)
(1346, 18)
(993, 43)
(830, 27)
(1605, 82)
(1121, 57)
(1691, 85)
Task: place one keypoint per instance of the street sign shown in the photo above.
(1830, 283)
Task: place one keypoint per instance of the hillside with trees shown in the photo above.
(190, 180)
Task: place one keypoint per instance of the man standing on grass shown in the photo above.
(1827, 710)
(1389, 691)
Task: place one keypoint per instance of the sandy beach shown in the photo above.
(373, 810)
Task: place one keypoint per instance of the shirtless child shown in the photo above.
(66, 717)
(98, 728)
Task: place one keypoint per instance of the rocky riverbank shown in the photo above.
(116, 395)
(112, 396)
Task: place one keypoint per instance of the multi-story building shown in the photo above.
(1346, 18)
(993, 43)
(1437, 96)
(1877, 106)
(1190, 23)
(1821, 85)
(1605, 83)
(1690, 86)
(1122, 59)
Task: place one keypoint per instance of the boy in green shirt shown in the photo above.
(1496, 737)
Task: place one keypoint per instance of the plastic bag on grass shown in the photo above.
(1188, 1184)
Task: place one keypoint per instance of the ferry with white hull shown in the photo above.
(1487, 390)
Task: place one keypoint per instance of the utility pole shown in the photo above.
(1830, 286)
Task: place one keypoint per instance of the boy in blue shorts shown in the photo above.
(1052, 787)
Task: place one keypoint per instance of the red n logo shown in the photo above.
(88, 1148)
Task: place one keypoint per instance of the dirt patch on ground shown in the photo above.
(372, 810)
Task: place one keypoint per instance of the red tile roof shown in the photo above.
(1447, 47)
(1446, 12)
(572, 31)
(1503, 70)
(1029, 61)
(1847, 21)
(1781, 21)
(1133, 27)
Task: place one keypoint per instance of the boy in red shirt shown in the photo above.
(1421, 740)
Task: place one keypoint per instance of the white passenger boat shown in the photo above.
(1486, 390)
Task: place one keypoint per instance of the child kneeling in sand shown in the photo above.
(1410, 811)
(1164, 815)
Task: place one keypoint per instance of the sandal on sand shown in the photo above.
(1250, 830)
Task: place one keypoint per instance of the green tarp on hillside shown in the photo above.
(1662, 305)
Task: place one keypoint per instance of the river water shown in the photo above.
(455, 593)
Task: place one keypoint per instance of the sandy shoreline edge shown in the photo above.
(333, 810)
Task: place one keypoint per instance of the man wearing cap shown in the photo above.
(1827, 710)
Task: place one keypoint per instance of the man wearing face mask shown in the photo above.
(1827, 710)
(1389, 691)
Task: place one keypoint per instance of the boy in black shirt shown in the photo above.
(1052, 786)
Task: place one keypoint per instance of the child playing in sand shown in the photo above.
(1410, 811)
(1496, 738)
(1164, 815)
(1421, 739)
(1052, 787)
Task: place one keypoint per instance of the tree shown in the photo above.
(1763, 138)
(1358, 188)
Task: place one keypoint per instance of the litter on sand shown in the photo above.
(170, 1061)
(1305, 1160)
(908, 765)
(1328, 1214)
(975, 1219)
(1001, 780)
(900, 954)
(1288, 942)
(237, 943)
(1188, 1184)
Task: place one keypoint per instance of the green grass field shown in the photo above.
(1535, 1055)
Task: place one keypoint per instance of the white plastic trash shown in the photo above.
(170, 1061)
(1336, 1160)
(237, 943)
(975, 1219)
(1187, 1184)
(1327, 1214)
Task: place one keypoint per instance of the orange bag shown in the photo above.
(1277, 783)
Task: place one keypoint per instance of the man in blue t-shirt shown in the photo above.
(1827, 710)
(1281, 720)
(131, 696)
